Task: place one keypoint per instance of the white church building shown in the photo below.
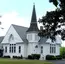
(25, 41)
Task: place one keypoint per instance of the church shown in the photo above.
(25, 41)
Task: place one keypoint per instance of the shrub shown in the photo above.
(18, 57)
(63, 56)
(1, 53)
(50, 57)
(21, 57)
(30, 57)
(14, 57)
(36, 56)
(6, 56)
(62, 52)
(58, 57)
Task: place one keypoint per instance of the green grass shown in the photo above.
(14, 61)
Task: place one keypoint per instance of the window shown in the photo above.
(36, 46)
(52, 48)
(5, 49)
(12, 48)
(11, 38)
(29, 36)
(41, 49)
(36, 37)
(19, 49)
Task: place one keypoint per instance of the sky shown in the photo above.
(19, 12)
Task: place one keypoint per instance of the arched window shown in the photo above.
(11, 38)
(36, 46)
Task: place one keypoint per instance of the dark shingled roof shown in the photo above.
(42, 40)
(21, 31)
(1, 38)
(33, 24)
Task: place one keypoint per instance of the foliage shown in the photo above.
(50, 57)
(54, 20)
(30, 57)
(55, 2)
(60, 3)
(6, 56)
(1, 53)
(62, 52)
(18, 57)
(34, 56)
(58, 57)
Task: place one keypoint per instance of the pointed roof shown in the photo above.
(21, 31)
(33, 24)
(1, 38)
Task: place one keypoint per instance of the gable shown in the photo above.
(1, 38)
(11, 33)
(21, 31)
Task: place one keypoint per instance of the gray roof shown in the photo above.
(43, 40)
(21, 31)
(1, 38)
(33, 24)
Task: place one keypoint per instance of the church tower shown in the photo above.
(33, 25)
(32, 33)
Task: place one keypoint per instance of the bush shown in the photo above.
(1, 53)
(6, 56)
(34, 56)
(14, 57)
(30, 57)
(18, 57)
(58, 57)
(50, 57)
(62, 52)
(63, 56)
(38, 56)
(21, 57)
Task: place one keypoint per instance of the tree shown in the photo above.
(54, 20)
(62, 52)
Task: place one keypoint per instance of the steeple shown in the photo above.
(33, 24)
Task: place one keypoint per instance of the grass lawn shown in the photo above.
(14, 61)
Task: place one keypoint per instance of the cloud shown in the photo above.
(12, 18)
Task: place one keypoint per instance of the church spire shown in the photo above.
(33, 24)
(34, 19)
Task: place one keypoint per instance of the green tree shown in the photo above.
(62, 52)
(54, 20)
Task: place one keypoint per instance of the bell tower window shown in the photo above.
(29, 36)
(36, 37)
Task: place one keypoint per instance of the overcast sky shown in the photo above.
(19, 12)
